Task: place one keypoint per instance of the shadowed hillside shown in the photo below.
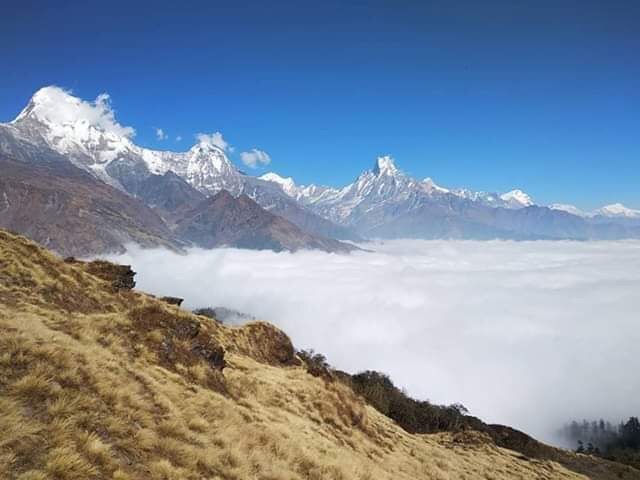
(98, 381)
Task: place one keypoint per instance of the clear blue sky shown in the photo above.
(541, 95)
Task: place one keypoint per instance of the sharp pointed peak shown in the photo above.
(385, 164)
(517, 197)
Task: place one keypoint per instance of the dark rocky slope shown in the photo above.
(223, 220)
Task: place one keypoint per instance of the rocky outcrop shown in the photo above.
(119, 276)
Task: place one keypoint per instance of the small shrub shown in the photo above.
(316, 363)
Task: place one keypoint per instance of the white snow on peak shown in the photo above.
(58, 107)
(75, 127)
(432, 186)
(385, 165)
(88, 133)
(517, 199)
(618, 210)
(573, 210)
(287, 184)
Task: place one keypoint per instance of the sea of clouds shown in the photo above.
(529, 334)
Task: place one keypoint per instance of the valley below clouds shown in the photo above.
(528, 334)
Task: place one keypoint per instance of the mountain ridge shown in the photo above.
(382, 202)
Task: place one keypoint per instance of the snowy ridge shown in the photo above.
(517, 199)
(287, 184)
(88, 134)
(573, 210)
(617, 210)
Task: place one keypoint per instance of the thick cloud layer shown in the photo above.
(528, 334)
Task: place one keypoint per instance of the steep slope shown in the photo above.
(71, 212)
(168, 194)
(224, 220)
(274, 200)
(100, 383)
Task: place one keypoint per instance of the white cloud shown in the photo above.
(179, 138)
(160, 135)
(255, 157)
(529, 334)
(60, 107)
(215, 139)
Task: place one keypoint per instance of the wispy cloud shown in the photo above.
(160, 135)
(179, 138)
(529, 334)
(255, 157)
(215, 139)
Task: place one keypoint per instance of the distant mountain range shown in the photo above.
(384, 202)
(72, 178)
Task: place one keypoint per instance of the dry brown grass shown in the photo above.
(100, 384)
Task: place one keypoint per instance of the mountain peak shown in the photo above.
(431, 186)
(618, 210)
(58, 108)
(204, 146)
(572, 209)
(385, 165)
(274, 177)
(517, 198)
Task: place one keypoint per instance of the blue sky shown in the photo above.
(492, 95)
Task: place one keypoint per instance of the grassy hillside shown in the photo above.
(98, 382)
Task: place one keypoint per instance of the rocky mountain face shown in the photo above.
(73, 213)
(225, 220)
(168, 194)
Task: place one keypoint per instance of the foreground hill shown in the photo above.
(98, 381)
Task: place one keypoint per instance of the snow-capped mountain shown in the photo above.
(386, 202)
(516, 199)
(513, 199)
(613, 211)
(286, 184)
(87, 134)
(573, 210)
(382, 201)
(385, 184)
(617, 210)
